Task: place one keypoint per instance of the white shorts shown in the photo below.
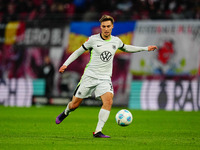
(88, 85)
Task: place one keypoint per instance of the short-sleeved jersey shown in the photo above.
(101, 55)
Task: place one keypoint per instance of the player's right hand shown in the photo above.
(62, 68)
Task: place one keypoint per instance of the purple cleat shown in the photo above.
(100, 135)
(60, 118)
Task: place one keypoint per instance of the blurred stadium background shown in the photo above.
(37, 36)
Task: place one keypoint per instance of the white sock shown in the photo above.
(67, 110)
(103, 117)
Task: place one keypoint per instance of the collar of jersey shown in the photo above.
(105, 39)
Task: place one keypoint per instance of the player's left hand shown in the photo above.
(152, 48)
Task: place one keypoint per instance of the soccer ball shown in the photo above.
(124, 117)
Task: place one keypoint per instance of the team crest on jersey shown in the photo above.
(105, 56)
(114, 47)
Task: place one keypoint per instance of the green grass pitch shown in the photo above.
(35, 128)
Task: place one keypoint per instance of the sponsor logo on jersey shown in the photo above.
(105, 56)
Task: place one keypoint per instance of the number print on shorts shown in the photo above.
(105, 56)
(111, 87)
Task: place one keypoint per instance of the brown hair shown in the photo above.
(106, 18)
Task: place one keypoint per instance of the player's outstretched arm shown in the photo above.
(152, 47)
(71, 58)
(134, 49)
(62, 68)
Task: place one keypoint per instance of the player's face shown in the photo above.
(106, 29)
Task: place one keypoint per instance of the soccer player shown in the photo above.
(97, 75)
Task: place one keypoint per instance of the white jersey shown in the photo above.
(102, 53)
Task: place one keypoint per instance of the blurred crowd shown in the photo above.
(91, 10)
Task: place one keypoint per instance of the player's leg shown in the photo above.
(75, 103)
(104, 113)
(105, 91)
(107, 100)
(82, 91)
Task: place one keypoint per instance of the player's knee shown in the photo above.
(107, 105)
(110, 102)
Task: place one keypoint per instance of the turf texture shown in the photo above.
(35, 128)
